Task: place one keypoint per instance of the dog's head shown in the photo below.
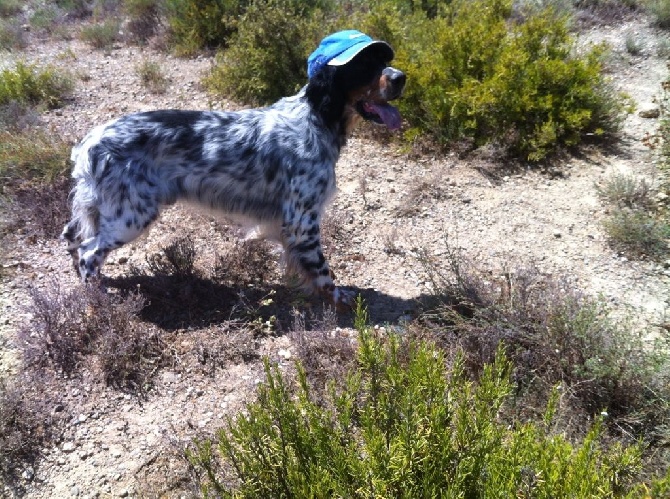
(350, 78)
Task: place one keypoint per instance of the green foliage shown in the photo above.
(9, 7)
(102, 35)
(554, 335)
(31, 155)
(11, 35)
(660, 11)
(29, 84)
(144, 18)
(266, 59)
(626, 191)
(199, 24)
(473, 75)
(638, 234)
(403, 425)
(152, 77)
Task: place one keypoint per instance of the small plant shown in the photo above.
(103, 35)
(638, 234)
(11, 35)
(31, 155)
(9, 8)
(553, 334)
(402, 424)
(17, 117)
(152, 77)
(177, 259)
(196, 25)
(248, 262)
(88, 326)
(77, 9)
(26, 424)
(633, 45)
(660, 11)
(144, 18)
(626, 191)
(258, 67)
(30, 84)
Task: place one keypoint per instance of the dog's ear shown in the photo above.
(325, 96)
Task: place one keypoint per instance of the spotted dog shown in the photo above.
(273, 167)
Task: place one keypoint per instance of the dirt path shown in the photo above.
(388, 209)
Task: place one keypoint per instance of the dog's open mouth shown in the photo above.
(382, 113)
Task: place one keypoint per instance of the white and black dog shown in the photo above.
(274, 167)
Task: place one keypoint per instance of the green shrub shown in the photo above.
(31, 154)
(199, 24)
(660, 12)
(44, 18)
(29, 84)
(11, 35)
(259, 66)
(9, 8)
(102, 35)
(403, 425)
(144, 18)
(473, 75)
(638, 234)
(626, 191)
(152, 77)
(553, 335)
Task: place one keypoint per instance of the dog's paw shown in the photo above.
(343, 299)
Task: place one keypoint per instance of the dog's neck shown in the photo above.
(329, 103)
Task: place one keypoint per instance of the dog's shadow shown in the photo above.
(186, 302)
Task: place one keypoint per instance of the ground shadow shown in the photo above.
(178, 302)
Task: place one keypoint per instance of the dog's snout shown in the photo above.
(396, 77)
(395, 81)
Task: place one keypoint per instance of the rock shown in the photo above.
(68, 447)
(284, 354)
(650, 112)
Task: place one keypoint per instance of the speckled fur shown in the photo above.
(274, 166)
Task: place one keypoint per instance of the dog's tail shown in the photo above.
(88, 164)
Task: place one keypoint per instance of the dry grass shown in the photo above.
(152, 77)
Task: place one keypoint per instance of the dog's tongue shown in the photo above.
(389, 114)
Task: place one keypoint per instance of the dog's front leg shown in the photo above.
(301, 236)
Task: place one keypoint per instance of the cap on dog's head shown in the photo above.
(341, 47)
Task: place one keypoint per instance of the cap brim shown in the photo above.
(353, 51)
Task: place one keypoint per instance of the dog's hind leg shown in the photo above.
(125, 211)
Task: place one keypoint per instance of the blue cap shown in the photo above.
(341, 47)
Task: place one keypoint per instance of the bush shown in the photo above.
(103, 35)
(11, 35)
(473, 75)
(87, 327)
(260, 67)
(553, 335)
(29, 84)
(626, 191)
(638, 234)
(152, 77)
(402, 425)
(31, 155)
(660, 12)
(144, 18)
(196, 25)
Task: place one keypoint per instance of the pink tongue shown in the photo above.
(389, 114)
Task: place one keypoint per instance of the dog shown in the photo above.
(273, 166)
